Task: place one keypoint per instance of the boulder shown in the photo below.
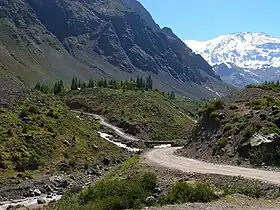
(37, 192)
(41, 200)
(150, 200)
(263, 116)
(106, 161)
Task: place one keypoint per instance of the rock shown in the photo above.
(157, 190)
(249, 115)
(221, 116)
(37, 192)
(30, 193)
(106, 161)
(67, 143)
(41, 200)
(263, 116)
(49, 196)
(48, 188)
(65, 183)
(95, 147)
(150, 200)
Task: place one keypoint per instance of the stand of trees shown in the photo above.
(140, 83)
(57, 88)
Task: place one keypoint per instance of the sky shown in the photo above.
(206, 19)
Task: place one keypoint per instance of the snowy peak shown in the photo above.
(245, 50)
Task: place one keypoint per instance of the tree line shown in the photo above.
(140, 83)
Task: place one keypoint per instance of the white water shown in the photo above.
(162, 146)
(28, 202)
(119, 144)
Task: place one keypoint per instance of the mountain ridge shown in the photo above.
(248, 57)
(98, 39)
(254, 50)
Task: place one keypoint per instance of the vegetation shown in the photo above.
(252, 190)
(57, 88)
(183, 192)
(132, 186)
(147, 112)
(41, 134)
(211, 107)
(274, 86)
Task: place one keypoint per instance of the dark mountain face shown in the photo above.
(106, 38)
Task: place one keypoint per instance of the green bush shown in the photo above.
(250, 189)
(119, 194)
(235, 119)
(33, 110)
(257, 104)
(211, 106)
(227, 127)
(222, 142)
(52, 114)
(183, 192)
(214, 115)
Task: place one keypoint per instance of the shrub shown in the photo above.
(235, 119)
(250, 189)
(119, 194)
(52, 114)
(10, 132)
(34, 128)
(227, 127)
(222, 142)
(214, 115)
(33, 110)
(211, 107)
(257, 104)
(183, 192)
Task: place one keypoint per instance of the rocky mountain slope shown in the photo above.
(255, 54)
(242, 129)
(94, 39)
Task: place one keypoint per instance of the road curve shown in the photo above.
(103, 122)
(165, 157)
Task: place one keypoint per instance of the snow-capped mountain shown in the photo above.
(255, 54)
(245, 50)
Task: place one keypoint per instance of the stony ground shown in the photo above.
(235, 202)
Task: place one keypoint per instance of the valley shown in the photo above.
(104, 108)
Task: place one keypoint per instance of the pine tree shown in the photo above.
(73, 84)
(38, 86)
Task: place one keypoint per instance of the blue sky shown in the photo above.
(205, 19)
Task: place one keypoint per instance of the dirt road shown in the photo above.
(166, 157)
(103, 122)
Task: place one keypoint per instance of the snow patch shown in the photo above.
(245, 50)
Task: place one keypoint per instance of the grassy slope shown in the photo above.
(50, 137)
(157, 116)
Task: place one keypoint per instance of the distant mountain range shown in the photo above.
(241, 58)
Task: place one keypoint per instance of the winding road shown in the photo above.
(165, 157)
(103, 122)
